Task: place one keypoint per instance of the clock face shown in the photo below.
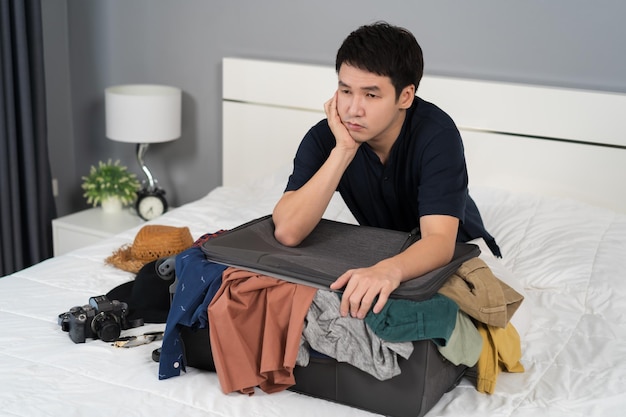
(150, 207)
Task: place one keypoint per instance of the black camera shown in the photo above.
(100, 319)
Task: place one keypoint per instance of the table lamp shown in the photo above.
(144, 114)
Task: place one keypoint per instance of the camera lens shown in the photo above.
(106, 327)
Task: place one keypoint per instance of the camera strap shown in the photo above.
(133, 341)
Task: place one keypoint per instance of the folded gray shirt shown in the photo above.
(348, 339)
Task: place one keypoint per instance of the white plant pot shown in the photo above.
(111, 205)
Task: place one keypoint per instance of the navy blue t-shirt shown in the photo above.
(424, 174)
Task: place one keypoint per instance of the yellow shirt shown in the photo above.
(501, 351)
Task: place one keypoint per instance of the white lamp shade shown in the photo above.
(142, 113)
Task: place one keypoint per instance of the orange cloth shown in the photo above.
(255, 324)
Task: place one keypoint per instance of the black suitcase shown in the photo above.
(423, 380)
(331, 249)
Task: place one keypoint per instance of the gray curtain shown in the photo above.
(26, 202)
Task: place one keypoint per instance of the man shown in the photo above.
(396, 160)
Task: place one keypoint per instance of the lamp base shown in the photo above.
(142, 148)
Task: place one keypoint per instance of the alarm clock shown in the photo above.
(151, 203)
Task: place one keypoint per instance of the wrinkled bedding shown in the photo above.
(568, 259)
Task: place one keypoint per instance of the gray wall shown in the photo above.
(92, 44)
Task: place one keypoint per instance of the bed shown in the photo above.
(547, 169)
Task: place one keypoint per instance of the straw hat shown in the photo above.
(152, 242)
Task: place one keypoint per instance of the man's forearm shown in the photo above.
(298, 212)
(422, 257)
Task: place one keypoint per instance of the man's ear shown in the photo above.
(407, 95)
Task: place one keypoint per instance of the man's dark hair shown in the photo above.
(386, 50)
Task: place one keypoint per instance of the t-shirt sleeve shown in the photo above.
(311, 154)
(443, 184)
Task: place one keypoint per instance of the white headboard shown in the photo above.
(526, 138)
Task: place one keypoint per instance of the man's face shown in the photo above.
(367, 105)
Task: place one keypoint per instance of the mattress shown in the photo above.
(567, 258)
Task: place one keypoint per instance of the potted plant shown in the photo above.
(110, 185)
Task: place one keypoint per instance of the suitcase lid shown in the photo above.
(331, 249)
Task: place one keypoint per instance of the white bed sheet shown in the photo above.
(569, 259)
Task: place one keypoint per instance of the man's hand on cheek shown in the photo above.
(342, 136)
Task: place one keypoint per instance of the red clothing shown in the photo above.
(255, 324)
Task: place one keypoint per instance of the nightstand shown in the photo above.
(89, 226)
